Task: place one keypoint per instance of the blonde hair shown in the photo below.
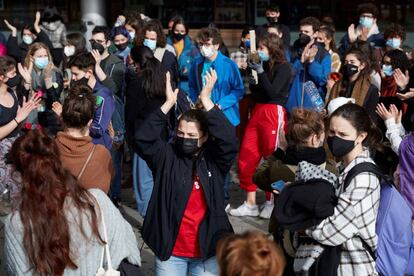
(32, 49)
(249, 254)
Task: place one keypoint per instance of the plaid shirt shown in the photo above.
(354, 218)
(240, 56)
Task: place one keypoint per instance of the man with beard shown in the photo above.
(311, 62)
(272, 16)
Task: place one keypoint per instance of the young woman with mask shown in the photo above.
(12, 115)
(268, 118)
(30, 34)
(58, 219)
(75, 44)
(134, 27)
(154, 38)
(393, 60)
(41, 76)
(240, 58)
(356, 83)
(185, 49)
(394, 36)
(351, 136)
(326, 36)
(183, 232)
(304, 143)
(121, 39)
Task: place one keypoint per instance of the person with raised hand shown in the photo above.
(186, 215)
(12, 115)
(30, 34)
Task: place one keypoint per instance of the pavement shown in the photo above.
(128, 209)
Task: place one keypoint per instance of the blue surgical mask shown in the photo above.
(152, 44)
(263, 56)
(366, 22)
(247, 43)
(27, 39)
(387, 69)
(394, 43)
(41, 62)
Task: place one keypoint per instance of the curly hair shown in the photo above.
(399, 60)
(154, 25)
(395, 30)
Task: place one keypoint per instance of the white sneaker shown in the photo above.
(267, 209)
(245, 210)
(228, 208)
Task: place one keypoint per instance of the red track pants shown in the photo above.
(260, 140)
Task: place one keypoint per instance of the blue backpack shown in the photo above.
(395, 249)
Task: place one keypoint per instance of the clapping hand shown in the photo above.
(391, 113)
(27, 107)
(401, 79)
(12, 28)
(205, 94)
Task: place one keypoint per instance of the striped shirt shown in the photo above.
(353, 219)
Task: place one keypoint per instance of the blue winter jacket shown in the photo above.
(228, 90)
(190, 52)
(317, 72)
(103, 114)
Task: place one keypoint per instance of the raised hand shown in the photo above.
(25, 73)
(12, 28)
(97, 56)
(169, 93)
(27, 107)
(306, 52)
(211, 78)
(205, 94)
(397, 114)
(37, 21)
(352, 34)
(401, 79)
(387, 114)
(57, 108)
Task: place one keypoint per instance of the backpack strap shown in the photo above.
(356, 170)
(362, 168)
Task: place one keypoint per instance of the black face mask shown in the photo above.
(340, 147)
(121, 46)
(271, 19)
(13, 82)
(350, 70)
(187, 146)
(82, 81)
(304, 39)
(178, 37)
(96, 46)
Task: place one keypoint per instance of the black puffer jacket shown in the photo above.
(173, 182)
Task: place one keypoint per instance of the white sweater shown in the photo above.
(86, 252)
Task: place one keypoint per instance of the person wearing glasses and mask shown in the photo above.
(367, 29)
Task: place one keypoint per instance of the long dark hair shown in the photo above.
(365, 73)
(150, 71)
(275, 46)
(330, 34)
(359, 118)
(45, 187)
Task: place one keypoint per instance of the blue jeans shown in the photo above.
(179, 266)
(143, 183)
(115, 190)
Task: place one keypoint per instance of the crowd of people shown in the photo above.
(317, 125)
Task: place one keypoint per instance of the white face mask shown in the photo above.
(132, 35)
(69, 51)
(27, 39)
(207, 51)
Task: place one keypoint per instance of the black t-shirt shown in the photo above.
(7, 114)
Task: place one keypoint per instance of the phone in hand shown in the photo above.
(278, 185)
